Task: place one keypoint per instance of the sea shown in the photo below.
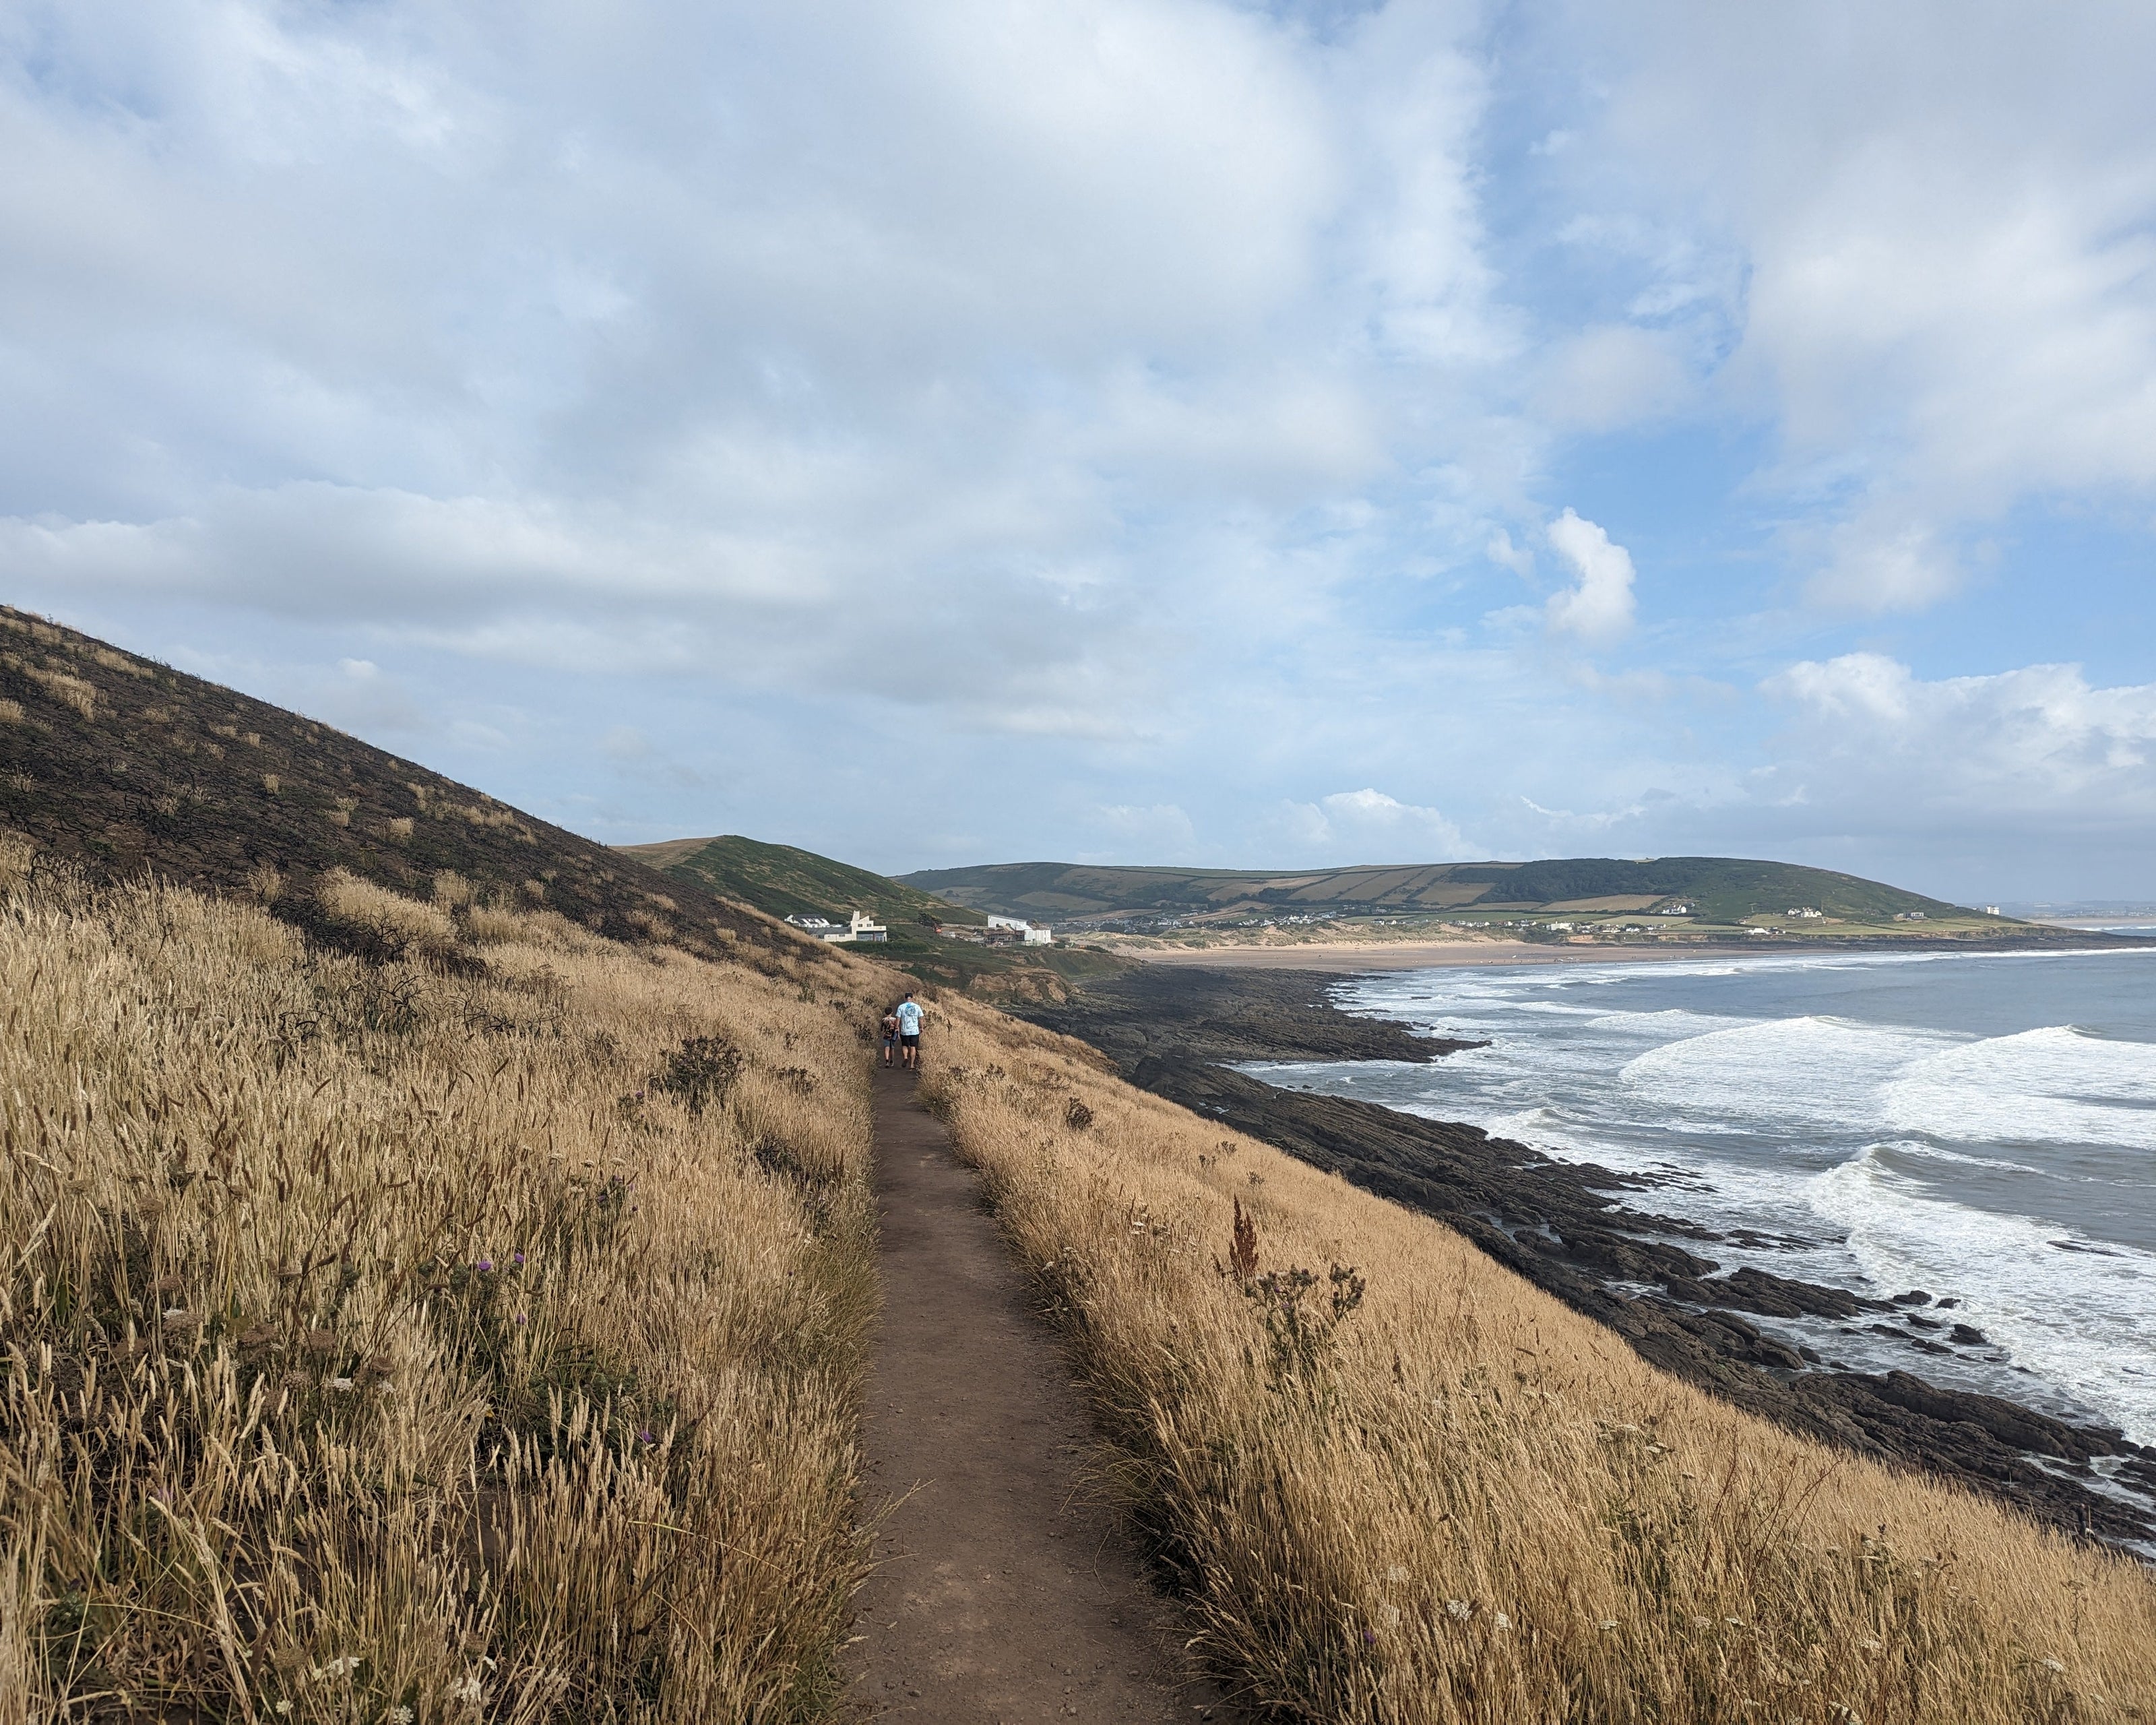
(1981, 1128)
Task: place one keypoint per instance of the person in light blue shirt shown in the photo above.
(909, 1032)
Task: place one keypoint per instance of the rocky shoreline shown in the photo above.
(1581, 1233)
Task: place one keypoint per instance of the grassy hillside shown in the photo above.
(783, 880)
(120, 765)
(1724, 889)
(1400, 1485)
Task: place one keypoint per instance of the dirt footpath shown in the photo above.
(1002, 1593)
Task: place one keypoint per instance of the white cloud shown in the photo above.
(1599, 610)
(1946, 234)
(1370, 821)
(1612, 375)
(1873, 738)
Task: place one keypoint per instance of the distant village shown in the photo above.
(859, 929)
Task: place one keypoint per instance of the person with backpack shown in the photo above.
(890, 1032)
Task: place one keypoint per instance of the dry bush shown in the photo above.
(265, 883)
(376, 1339)
(452, 891)
(399, 827)
(404, 925)
(272, 783)
(1444, 1495)
(11, 712)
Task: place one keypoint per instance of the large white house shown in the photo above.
(857, 927)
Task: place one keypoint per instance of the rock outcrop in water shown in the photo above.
(1576, 1231)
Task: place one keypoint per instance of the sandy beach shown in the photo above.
(1351, 956)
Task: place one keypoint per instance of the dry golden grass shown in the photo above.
(11, 712)
(63, 686)
(1461, 1500)
(480, 1341)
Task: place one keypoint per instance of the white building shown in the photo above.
(857, 927)
(1805, 912)
(1027, 934)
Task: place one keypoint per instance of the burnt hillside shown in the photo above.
(123, 766)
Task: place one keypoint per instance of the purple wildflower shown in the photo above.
(645, 1437)
(519, 1317)
(483, 1264)
(517, 1258)
(1370, 1637)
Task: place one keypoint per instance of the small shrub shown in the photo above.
(265, 882)
(400, 829)
(700, 1072)
(11, 712)
(1076, 1115)
(452, 891)
(272, 783)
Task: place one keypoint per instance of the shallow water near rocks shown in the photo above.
(1982, 1128)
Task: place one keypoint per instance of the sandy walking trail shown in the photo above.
(1003, 1592)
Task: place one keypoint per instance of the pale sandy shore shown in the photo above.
(1349, 956)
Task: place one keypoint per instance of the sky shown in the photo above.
(1255, 434)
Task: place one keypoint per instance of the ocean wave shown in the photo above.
(2058, 1084)
(2075, 1311)
(1812, 1073)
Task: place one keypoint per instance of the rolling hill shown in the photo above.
(1722, 889)
(122, 766)
(783, 880)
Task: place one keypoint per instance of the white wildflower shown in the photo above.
(1869, 1646)
(471, 1690)
(283, 1706)
(1734, 1622)
(1459, 1608)
(1610, 1623)
(1399, 1572)
(176, 1313)
(340, 1384)
(2052, 1665)
(1501, 1621)
(400, 1716)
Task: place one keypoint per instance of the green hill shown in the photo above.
(1721, 889)
(784, 880)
